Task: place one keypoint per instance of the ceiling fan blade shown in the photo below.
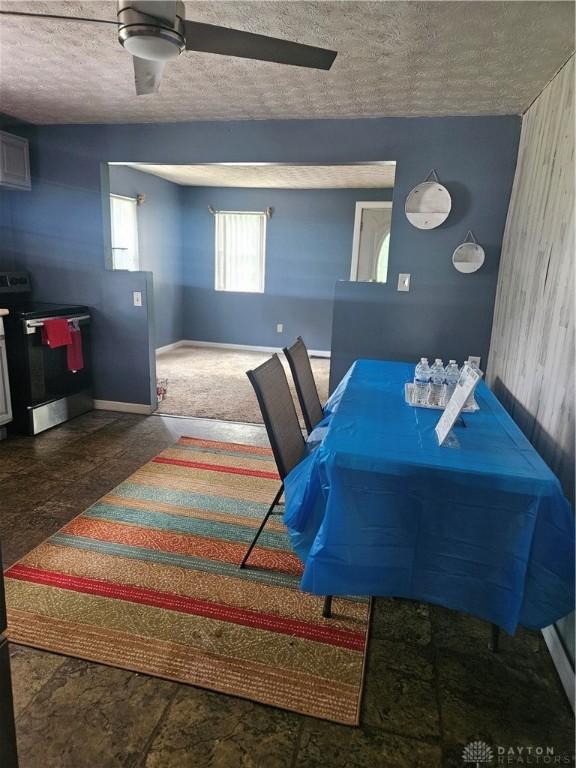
(60, 18)
(158, 9)
(147, 75)
(210, 38)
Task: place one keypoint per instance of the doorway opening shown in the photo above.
(371, 243)
(244, 259)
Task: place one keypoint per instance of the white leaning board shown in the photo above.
(469, 378)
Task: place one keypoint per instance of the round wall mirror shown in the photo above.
(468, 258)
(428, 205)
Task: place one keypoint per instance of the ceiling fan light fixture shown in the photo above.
(152, 47)
(150, 37)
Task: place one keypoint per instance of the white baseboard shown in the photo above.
(168, 347)
(113, 405)
(244, 347)
(561, 661)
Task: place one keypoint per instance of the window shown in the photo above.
(240, 251)
(124, 224)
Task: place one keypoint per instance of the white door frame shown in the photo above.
(360, 206)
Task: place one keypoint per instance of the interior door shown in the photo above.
(371, 242)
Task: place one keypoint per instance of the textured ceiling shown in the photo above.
(275, 176)
(394, 58)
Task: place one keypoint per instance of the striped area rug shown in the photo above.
(147, 579)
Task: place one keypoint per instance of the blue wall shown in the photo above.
(375, 321)
(124, 339)
(7, 256)
(159, 243)
(58, 227)
(308, 248)
(56, 232)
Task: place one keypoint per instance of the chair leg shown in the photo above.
(495, 638)
(327, 608)
(262, 524)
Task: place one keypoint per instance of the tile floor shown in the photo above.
(432, 685)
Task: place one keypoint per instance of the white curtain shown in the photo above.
(240, 251)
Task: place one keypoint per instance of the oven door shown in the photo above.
(48, 376)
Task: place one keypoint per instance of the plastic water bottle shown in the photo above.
(421, 380)
(436, 382)
(451, 376)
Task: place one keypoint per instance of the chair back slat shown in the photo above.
(279, 414)
(306, 389)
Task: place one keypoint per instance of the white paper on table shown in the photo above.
(467, 382)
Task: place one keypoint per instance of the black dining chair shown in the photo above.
(284, 432)
(306, 389)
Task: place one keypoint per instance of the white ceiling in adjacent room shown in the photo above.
(273, 176)
(394, 59)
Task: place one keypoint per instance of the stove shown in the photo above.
(44, 391)
(36, 309)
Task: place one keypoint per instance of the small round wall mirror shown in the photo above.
(428, 205)
(468, 256)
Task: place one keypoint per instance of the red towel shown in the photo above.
(56, 333)
(74, 356)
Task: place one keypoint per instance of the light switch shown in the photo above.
(403, 282)
(279, 327)
(137, 295)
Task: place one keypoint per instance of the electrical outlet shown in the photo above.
(403, 282)
(279, 327)
(137, 297)
(474, 360)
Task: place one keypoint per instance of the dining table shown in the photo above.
(479, 524)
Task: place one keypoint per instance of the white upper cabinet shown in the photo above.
(14, 161)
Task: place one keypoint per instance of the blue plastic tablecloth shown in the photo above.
(379, 508)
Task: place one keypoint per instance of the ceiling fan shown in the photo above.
(154, 31)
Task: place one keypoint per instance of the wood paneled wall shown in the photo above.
(531, 361)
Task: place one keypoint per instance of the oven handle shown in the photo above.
(31, 325)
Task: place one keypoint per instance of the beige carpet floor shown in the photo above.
(212, 383)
